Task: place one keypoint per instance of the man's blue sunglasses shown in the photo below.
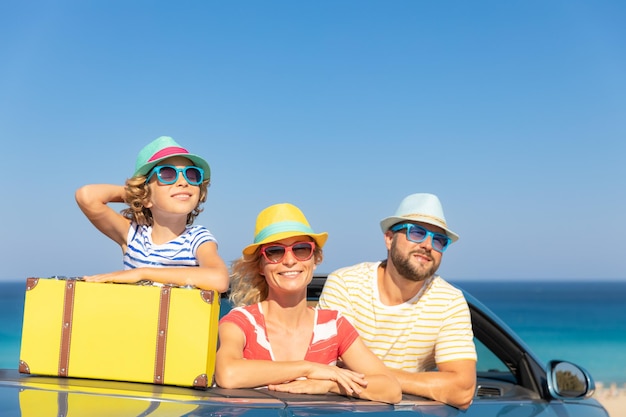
(168, 174)
(418, 234)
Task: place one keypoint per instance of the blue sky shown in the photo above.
(513, 113)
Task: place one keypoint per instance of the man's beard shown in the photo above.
(407, 269)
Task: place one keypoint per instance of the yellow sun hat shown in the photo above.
(282, 221)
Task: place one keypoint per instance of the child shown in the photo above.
(155, 232)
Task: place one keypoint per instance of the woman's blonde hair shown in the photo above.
(138, 192)
(247, 285)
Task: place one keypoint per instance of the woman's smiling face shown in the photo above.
(289, 274)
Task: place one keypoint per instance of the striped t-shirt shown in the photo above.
(180, 252)
(433, 327)
(332, 334)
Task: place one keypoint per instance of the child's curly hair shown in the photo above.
(137, 192)
(247, 285)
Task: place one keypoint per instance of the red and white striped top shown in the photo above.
(332, 334)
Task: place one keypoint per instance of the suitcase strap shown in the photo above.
(164, 308)
(66, 329)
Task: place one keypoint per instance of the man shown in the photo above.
(415, 321)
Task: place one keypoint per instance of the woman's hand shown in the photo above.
(304, 386)
(321, 379)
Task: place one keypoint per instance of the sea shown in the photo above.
(582, 322)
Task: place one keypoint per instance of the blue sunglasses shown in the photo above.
(418, 234)
(168, 174)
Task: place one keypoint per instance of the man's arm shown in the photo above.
(454, 383)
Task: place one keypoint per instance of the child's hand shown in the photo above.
(128, 276)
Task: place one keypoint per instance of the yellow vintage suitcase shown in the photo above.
(124, 332)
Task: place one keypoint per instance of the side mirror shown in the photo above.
(569, 381)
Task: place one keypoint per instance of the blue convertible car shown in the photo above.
(511, 382)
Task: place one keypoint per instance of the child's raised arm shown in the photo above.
(93, 200)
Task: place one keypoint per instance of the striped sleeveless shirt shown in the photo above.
(179, 252)
(332, 334)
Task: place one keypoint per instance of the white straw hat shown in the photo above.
(421, 207)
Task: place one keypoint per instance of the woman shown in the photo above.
(273, 338)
